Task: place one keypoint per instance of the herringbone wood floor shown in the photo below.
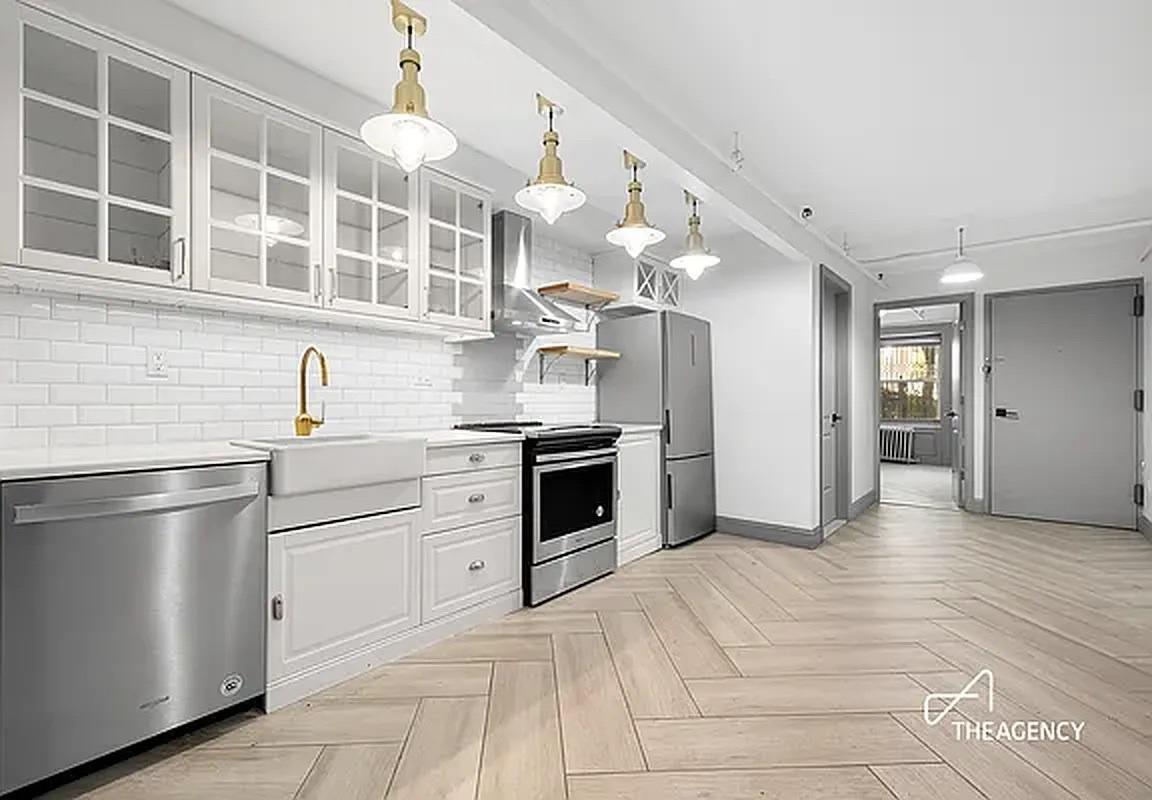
(733, 669)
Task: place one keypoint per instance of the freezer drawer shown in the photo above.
(129, 604)
(689, 499)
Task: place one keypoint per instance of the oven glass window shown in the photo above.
(573, 498)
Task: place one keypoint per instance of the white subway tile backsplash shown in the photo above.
(51, 329)
(72, 371)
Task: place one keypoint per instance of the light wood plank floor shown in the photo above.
(735, 669)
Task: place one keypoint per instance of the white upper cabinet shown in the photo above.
(256, 198)
(371, 234)
(101, 142)
(456, 236)
(644, 282)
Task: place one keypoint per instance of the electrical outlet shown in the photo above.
(422, 381)
(157, 364)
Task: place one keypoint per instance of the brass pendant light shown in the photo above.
(633, 233)
(407, 133)
(696, 257)
(549, 194)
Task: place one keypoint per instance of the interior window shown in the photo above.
(910, 381)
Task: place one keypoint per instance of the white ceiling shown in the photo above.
(480, 86)
(896, 120)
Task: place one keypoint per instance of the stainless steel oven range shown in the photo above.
(569, 492)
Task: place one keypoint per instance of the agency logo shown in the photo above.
(979, 695)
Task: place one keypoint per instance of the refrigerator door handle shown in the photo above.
(669, 476)
(667, 426)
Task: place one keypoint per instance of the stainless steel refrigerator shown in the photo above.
(664, 376)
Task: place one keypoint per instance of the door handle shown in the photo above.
(836, 417)
(278, 607)
(667, 426)
(139, 504)
(318, 283)
(179, 265)
(669, 490)
(1007, 413)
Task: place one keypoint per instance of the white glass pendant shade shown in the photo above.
(695, 263)
(635, 238)
(550, 200)
(963, 269)
(410, 139)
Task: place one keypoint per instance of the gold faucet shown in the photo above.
(305, 422)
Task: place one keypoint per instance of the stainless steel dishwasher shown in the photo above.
(129, 605)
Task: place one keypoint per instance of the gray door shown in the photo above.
(1063, 426)
(955, 418)
(690, 499)
(688, 386)
(828, 417)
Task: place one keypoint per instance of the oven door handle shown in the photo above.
(551, 458)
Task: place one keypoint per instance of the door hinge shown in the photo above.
(1138, 305)
(1138, 494)
(1138, 400)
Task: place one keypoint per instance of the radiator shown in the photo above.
(897, 443)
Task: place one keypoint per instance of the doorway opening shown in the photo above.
(923, 381)
(835, 386)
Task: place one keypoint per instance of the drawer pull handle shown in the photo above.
(476, 498)
(476, 458)
(278, 607)
(476, 565)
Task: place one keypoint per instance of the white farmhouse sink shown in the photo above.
(304, 464)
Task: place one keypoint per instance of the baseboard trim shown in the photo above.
(977, 505)
(767, 532)
(1144, 525)
(862, 504)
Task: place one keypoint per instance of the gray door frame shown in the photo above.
(989, 406)
(843, 428)
(967, 303)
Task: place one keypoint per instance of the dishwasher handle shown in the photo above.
(135, 504)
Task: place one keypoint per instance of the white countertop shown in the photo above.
(51, 462)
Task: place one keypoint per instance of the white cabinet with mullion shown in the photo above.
(257, 197)
(457, 235)
(101, 133)
(370, 231)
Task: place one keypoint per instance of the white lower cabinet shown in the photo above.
(638, 512)
(451, 501)
(336, 588)
(462, 568)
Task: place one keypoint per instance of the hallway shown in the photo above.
(739, 669)
(925, 485)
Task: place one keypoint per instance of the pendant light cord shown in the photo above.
(551, 114)
(960, 233)
(409, 36)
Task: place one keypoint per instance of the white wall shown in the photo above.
(1084, 259)
(72, 372)
(764, 370)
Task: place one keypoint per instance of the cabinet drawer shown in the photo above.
(468, 566)
(469, 458)
(452, 501)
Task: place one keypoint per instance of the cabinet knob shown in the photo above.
(476, 458)
(476, 498)
(477, 565)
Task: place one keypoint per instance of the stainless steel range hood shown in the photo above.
(516, 306)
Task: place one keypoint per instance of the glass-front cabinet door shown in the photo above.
(101, 144)
(370, 231)
(256, 198)
(457, 234)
